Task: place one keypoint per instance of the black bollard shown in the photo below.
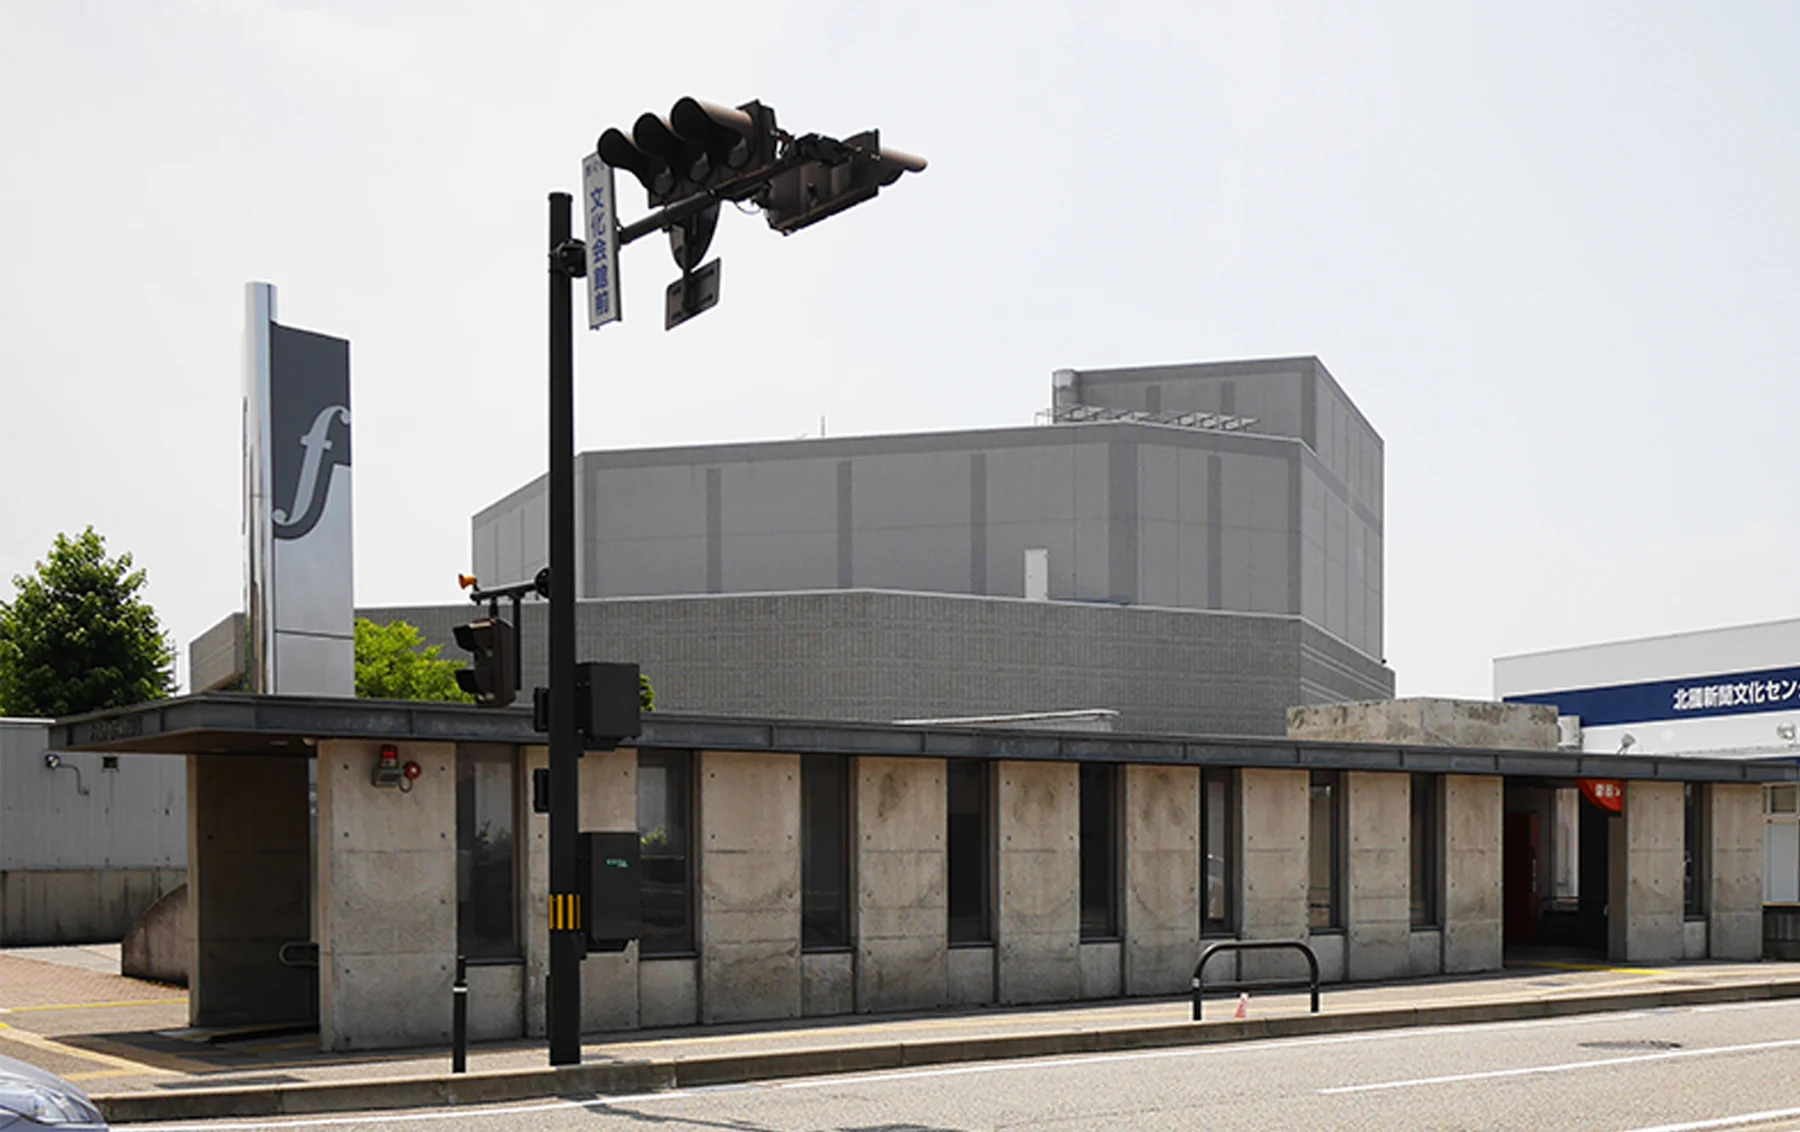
(459, 1018)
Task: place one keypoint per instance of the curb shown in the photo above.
(622, 1078)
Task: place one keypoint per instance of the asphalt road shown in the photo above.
(1734, 1066)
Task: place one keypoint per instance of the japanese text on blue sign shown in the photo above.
(602, 242)
(1736, 693)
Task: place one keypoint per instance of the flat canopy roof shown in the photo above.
(288, 726)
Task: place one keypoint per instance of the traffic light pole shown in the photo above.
(562, 991)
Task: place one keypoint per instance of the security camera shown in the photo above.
(1626, 742)
(1785, 731)
(52, 759)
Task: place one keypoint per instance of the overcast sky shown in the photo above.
(1549, 249)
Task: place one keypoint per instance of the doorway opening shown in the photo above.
(1556, 872)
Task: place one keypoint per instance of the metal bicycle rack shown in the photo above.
(1311, 981)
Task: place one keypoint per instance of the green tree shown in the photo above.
(393, 663)
(76, 636)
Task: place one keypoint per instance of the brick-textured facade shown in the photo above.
(882, 655)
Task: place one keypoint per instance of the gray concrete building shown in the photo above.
(87, 841)
(1202, 545)
(792, 868)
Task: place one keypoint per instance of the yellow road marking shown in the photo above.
(95, 1005)
(105, 1074)
(1598, 967)
(50, 1045)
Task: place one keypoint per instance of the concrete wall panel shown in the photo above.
(534, 932)
(55, 906)
(1647, 842)
(749, 886)
(1474, 926)
(1734, 899)
(901, 895)
(827, 983)
(1102, 974)
(1273, 818)
(1379, 911)
(496, 1001)
(386, 902)
(1162, 878)
(971, 976)
(1425, 953)
(156, 947)
(668, 992)
(1038, 919)
(1328, 946)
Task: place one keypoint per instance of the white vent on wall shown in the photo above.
(1037, 574)
(1568, 733)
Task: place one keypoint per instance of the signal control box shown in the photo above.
(608, 863)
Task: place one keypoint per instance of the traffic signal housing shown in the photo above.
(698, 147)
(493, 673)
(840, 174)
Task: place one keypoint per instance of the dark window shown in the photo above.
(1218, 849)
(1099, 851)
(665, 808)
(1324, 908)
(969, 846)
(1693, 838)
(487, 910)
(1427, 850)
(824, 851)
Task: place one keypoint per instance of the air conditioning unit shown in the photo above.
(1568, 733)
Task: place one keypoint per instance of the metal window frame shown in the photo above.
(846, 846)
(988, 936)
(1434, 853)
(1696, 873)
(1111, 775)
(1337, 887)
(690, 851)
(1232, 777)
(511, 756)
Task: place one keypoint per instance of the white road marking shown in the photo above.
(1565, 1067)
(457, 1112)
(1726, 1121)
(464, 1112)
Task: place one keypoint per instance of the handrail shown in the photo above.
(1312, 960)
(300, 953)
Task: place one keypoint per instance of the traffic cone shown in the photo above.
(1243, 1010)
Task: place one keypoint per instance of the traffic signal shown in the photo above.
(493, 673)
(838, 175)
(698, 147)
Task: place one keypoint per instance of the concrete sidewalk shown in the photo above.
(128, 1043)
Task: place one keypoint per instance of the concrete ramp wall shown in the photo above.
(158, 946)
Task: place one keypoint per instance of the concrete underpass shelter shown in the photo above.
(797, 869)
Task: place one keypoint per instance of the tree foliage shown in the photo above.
(77, 637)
(394, 663)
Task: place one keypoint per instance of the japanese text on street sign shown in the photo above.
(602, 242)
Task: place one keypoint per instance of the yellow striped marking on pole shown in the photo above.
(565, 912)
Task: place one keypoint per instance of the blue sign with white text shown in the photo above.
(1696, 697)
